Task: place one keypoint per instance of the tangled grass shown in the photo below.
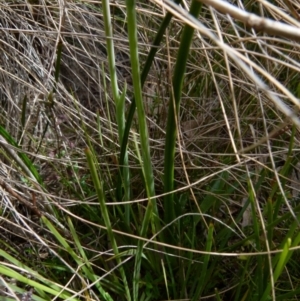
(149, 151)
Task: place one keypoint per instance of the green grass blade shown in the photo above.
(202, 280)
(105, 214)
(124, 168)
(282, 259)
(173, 114)
(244, 270)
(61, 240)
(77, 241)
(145, 223)
(279, 268)
(146, 69)
(47, 286)
(25, 163)
(110, 49)
(135, 67)
(151, 210)
(120, 104)
(84, 266)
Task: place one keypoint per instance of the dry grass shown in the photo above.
(232, 118)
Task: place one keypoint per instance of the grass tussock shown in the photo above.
(149, 151)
